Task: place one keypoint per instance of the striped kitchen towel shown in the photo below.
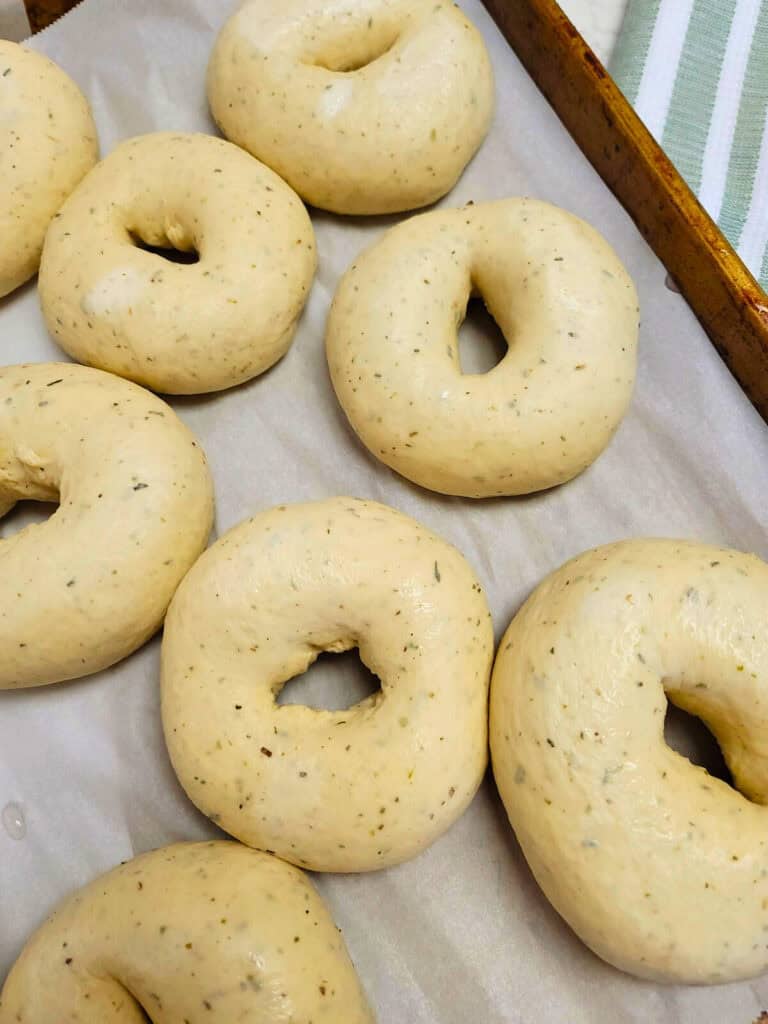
(696, 71)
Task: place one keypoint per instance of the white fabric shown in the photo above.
(655, 93)
(599, 21)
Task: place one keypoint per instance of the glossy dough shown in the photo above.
(566, 307)
(194, 932)
(88, 586)
(175, 328)
(47, 143)
(658, 866)
(363, 106)
(350, 790)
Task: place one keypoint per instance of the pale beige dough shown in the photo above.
(567, 308)
(363, 106)
(88, 586)
(661, 868)
(197, 932)
(179, 329)
(47, 143)
(350, 790)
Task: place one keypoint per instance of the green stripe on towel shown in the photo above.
(715, 129)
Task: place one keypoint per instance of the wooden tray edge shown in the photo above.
(729, 303)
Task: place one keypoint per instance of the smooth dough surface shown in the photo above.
(47, 143)
(363, 106)
(661, 868)
(88, 586)
(567, 309)
(195, 932)
(178, 329)
(350, 790)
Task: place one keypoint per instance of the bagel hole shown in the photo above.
(688, 735)
(24, 514)
(356, 53)
(481, 343)
(334, 682)
(166, 252)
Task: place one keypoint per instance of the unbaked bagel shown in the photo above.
(193, 932)
(661, 868)
(567, 309)
(178, 329)
(363, 106)
(47, 143)
(88, 586)
(350, 790)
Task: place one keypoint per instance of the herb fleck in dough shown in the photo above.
(92, 583)
(178, 329)
(368, 106)
(351, 790)
(47, 143)
(198, 932)
(552, 404)
(659, 867)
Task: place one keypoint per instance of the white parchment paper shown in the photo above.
(462, 933)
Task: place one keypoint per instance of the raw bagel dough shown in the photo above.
(363, 106)
(178, 329)
(350, 790)
(563, 301)
(191, 932)
(88, 586)
(658, 866)
(47, 143)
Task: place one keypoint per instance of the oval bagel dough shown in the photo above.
(351, 790)
(47, 143)
(92, 583)
(190, 932)
(658, 866)
(567, 309)
(363, 106)
(178, 329)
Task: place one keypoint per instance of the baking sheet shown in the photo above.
(461, 933)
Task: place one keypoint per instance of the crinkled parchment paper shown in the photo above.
(462, 933)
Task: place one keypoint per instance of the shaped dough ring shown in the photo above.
(369, 106)
(92, 583)
(350, 790)
(178, 329)
(658, 866)
(566, 307)
(190, 932)
(49, 142)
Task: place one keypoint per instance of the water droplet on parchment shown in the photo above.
(672, 285)
(13, 821)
